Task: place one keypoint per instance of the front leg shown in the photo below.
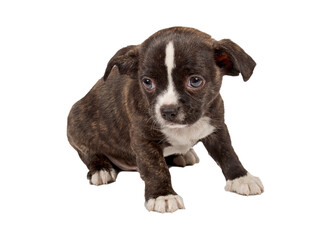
(238, 180)
(153, 169)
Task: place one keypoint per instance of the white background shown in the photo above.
(52, 53)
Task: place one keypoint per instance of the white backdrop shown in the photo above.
(52, 53)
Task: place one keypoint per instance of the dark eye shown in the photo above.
(195, 82)
(148, 84)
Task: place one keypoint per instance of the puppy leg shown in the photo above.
(153, 169)
(182, 160)
(237, 178)
(101, 171)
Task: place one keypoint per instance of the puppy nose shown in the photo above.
(169, 112)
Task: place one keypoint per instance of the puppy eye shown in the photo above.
(195, 82)
(148, 84)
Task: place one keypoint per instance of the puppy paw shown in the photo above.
(191, 157)
(103, 177)
(188, 159)
(162, 204)
(246, 185)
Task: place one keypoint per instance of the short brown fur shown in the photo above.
(113, 126)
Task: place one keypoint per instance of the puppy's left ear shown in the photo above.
(126, 60)
(233, 60)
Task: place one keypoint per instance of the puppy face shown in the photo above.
(179, 71)
(177, 75)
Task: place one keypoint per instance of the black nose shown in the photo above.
(169, 112)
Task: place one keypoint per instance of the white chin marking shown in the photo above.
(103, 177)
(246, 185)
(163, 204)
(175, 125)
(168, 96)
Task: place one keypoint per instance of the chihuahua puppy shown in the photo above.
(155, 101)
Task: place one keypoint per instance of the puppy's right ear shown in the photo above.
(126, 60)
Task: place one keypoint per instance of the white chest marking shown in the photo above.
(182, 139)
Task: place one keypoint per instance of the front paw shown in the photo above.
(162, 204)
(246, 185)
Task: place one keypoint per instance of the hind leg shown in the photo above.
(101, 170)
(102, 177)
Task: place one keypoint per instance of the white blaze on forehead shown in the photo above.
(170, 58)
(169, 95)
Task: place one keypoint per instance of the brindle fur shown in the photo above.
(113, 126)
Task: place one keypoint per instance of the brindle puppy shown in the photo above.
(155, 101)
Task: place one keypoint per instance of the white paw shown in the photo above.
(162, 204)
(103, 177)
(191, 157)
(247, 185)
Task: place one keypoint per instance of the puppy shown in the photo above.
(155, 101)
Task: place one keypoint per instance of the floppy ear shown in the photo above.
(126, 59)
(233, 60)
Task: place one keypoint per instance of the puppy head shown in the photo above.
(180, 72)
